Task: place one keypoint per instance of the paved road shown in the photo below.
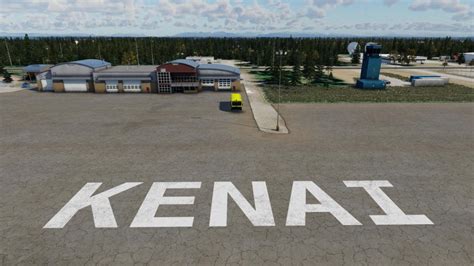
(264, 113)
(53, 144)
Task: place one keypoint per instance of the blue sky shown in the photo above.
(169, 17)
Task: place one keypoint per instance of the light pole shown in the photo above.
(61, 51)
(152, 56)
(77, 48)
(280, 53)
(136, 48)
(47, 54)
(8, 52)
(98, 46)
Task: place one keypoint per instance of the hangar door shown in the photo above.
(75, 86)
(207, 82)
(111, 86)
(132, 86)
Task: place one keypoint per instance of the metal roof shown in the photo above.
(190, 63)
(220, 67)
(92, 63)
(36, 68)
(44, 75)
(207, 77)
(112, 78)
(129, 69)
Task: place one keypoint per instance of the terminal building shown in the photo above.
(178, 76)
(186, 76)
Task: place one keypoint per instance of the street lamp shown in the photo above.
(152, 56)
(98, 46)
(47, 54)
(8, 52)
(280, 53)
(136, 49)
(77, 48)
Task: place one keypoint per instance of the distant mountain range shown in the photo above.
(222, 34)
(38, 35)
(218, 34)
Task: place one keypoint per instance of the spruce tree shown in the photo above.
(309, 67)
(7, 77)
(461, 59)
(296, 74)
(129, 58)
(319, 75)
(355, 57)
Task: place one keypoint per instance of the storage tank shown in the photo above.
(429, 82)
(468, 57)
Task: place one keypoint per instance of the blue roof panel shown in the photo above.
(190, 63)
(93, 63)
(36, 68)
(219, 67)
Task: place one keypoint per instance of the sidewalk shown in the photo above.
(263, 112)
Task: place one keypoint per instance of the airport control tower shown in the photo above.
(370, 72)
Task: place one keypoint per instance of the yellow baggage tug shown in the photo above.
(235, 101)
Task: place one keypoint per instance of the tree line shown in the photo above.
(258, 51)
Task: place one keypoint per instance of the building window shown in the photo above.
(164, 77)
(184, 78)
(164, 88)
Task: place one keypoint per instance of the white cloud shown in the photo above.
(459, 9)
(317, 9)
(203, 15)
(464, 16)
(401, 28)
(390, 2)
(452, 6)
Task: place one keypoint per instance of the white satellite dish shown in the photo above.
(352, 47)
